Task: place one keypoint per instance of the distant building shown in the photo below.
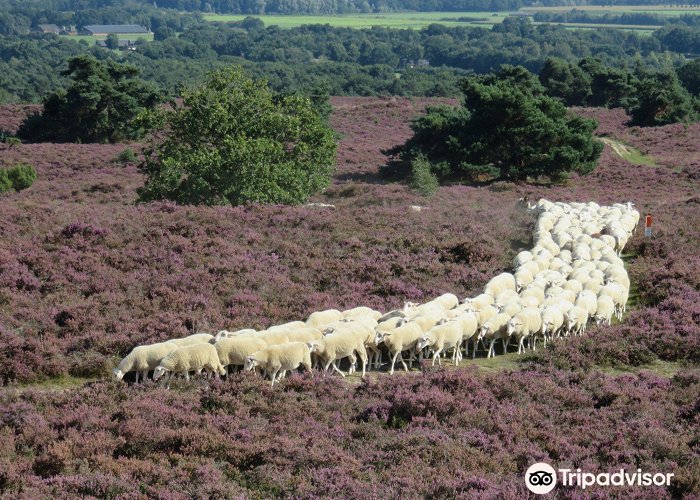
(114, 29)
(47, 28)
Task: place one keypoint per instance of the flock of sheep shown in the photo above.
(573, 275)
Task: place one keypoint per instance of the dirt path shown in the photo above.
(620, 149)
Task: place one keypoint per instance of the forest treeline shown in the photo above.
(307, 7)
(341, 61)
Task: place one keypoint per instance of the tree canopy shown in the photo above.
(234, 141)
(104, 102)
(507, 128)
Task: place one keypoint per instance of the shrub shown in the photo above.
(126, 156)
(5, 182)
(422, 179)
(21, 176)
(233, 142)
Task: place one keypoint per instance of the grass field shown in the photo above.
(417, 20)
(404, 20)
(618, 9)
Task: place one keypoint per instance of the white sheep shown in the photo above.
(235, 350)
(494, 329)
(499, 283)
(588, 301)
(401, 339)
(361, 312)
(552, 322)
(197, 338)
(193, 357)
(619, 294)
(523, 325)
(576, 320)
(442, 337)
(142, 359)
(292, 325)
(333, 348)
(364, 330)
(605, 310)
(277, 359)
(320, 319)
(225, 334)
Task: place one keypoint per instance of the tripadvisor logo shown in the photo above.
(541, 478)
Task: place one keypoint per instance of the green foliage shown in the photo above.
(689, 76)
(19, 177)
(112, 41)
(661, 100)
(5, 182)
(105, 102)
(127, 155)
(233, 141)
(508, 129)
(422, 179)
(565, 81)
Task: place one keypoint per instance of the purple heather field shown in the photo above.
(86, 274)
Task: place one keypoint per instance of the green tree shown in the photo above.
(689, 75)
(112, 41)
(661, 100)
(507, 128)
(105, 102)
(565, 81)
(233, 141)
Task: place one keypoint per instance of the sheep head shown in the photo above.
(425, 341)
(250, 363)
(158, 372)
(118, 374)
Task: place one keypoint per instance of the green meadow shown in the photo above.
(404, 20)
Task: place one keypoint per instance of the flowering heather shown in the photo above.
(86, 274)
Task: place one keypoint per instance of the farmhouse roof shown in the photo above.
(115, 28)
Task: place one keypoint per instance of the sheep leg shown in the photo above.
(136, 380)
(363, 358)
(274, 375)
(393, 362)
(492, 352)
(436, 355)
(505, 346)
(338, 370)
(404, 363)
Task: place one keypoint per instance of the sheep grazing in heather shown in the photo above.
(225, 334)
(576, 320)
(277, 359)
(332, 348)
(552, 323)
(402, 338)
(320, 319)
(524, 325)
(194, 357)
(605, 310)
(496, 285)
(234, 351)
(292, 325)
(361, 312)
(494, 329)
(442, 337)
(197, 338)
(143, 359)
(364, 329)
